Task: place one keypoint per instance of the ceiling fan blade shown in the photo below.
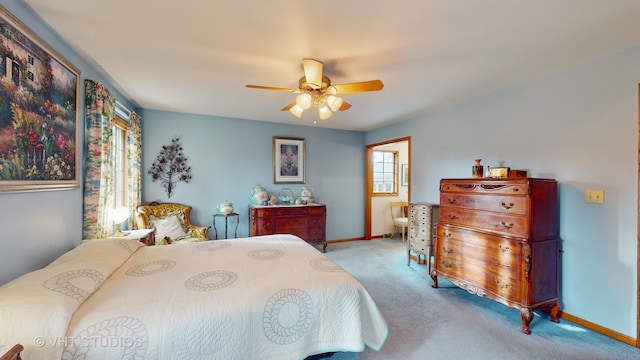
(288, 106)
(313, 72)
(345, 106)
(373, 85)
(271, 88)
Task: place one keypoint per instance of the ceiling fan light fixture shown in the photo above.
(334, 102)
(324, 112)
(304, 101)
(316, 90)
(296, 110)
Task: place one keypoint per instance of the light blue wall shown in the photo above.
(38, 227)
(229, 157)
(579, 126)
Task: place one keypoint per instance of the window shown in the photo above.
(120, 162)
(30, 75)
(385, 173)
(30, 59)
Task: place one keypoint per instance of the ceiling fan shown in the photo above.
(316, 89)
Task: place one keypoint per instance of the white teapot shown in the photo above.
(226, 207)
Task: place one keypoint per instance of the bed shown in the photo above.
(265, 297)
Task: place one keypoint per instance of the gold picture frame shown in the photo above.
(39, 117)
(288, 160)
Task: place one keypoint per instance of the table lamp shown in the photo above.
(119, 215)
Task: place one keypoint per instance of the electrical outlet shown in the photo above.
(594, 196)
(415, 188)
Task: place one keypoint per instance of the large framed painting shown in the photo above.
(39, 119)
(288, 160)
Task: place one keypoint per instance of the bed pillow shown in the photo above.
(37, 307)
(171, 226)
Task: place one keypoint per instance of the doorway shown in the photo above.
(376, 206)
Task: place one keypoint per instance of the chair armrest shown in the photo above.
(200, 232)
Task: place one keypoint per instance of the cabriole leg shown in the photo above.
(527, 317)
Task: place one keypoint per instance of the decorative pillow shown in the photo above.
(170, 225)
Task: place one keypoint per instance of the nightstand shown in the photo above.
(10, 353)
(146, 236)
(226, 217)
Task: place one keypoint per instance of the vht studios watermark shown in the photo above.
(89, 341)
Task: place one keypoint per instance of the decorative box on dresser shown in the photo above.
(421, 233)
(305, 221)
(499, 239)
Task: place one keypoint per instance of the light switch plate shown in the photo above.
(594, 196)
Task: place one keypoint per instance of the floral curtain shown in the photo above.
(98, 185)
(134, 161)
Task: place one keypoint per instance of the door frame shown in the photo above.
(368, 179)
(638, 237)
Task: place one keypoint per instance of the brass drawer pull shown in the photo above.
(503, 286)
(447, 251)
(503, 249)
(451, 201)
(447, 265)
(504, 266)
(506, 226)
(447, 235)
(507, 206)
(453, 217)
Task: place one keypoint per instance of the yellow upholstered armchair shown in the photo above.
(171, 222)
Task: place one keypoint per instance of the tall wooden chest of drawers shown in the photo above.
(422, 218)
(498, 238)
(305, 221)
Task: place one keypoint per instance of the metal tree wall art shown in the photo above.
(170, 167)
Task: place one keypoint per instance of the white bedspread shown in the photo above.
(270, 297)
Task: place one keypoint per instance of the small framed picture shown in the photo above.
(498, 172)
(288, 160)
(404, 175)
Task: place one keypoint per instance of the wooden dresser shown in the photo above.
(305, 221)
(421, 230)
(498, 238)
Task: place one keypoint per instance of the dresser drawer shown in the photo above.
(262, 212)
(493, 222)
(502, 203)
(499, 257)
(292, 211)
(496, 187)
(502, 278)
(316, 210)
(484, 245)
(263, 226)
(283, 225)
(419, 247)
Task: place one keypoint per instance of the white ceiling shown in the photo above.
(196, 56)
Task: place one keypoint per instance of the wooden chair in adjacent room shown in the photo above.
(399, 216)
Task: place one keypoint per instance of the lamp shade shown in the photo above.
(334, 102)
(324, 112)
(120, 214)
(296, 110)
(304, 101)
